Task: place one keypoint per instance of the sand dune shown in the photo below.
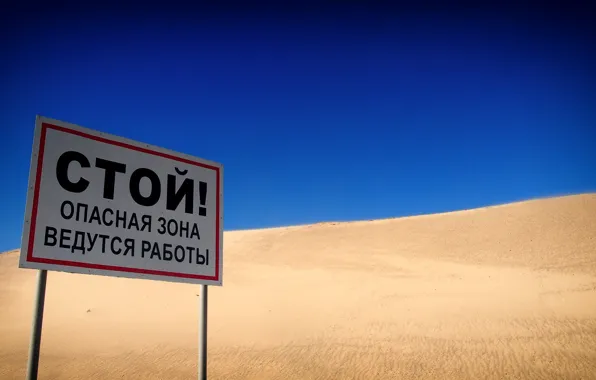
(505, 292)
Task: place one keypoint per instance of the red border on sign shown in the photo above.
(30, 256)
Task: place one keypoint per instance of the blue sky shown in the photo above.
(362, 115)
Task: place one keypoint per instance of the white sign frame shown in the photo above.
(28, 257)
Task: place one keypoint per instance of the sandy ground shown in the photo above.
(505, 292)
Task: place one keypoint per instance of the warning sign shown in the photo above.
(105, 205)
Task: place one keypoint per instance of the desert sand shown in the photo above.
(504, 292)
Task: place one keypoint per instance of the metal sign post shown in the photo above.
(158, 213)
(33, 362)
(203, 334)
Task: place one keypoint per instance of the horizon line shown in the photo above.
(453, 211)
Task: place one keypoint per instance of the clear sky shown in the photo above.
(317, 115)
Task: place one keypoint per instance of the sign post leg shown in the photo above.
(34, 345)
(203, 334)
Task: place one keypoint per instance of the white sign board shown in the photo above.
(105, 205)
